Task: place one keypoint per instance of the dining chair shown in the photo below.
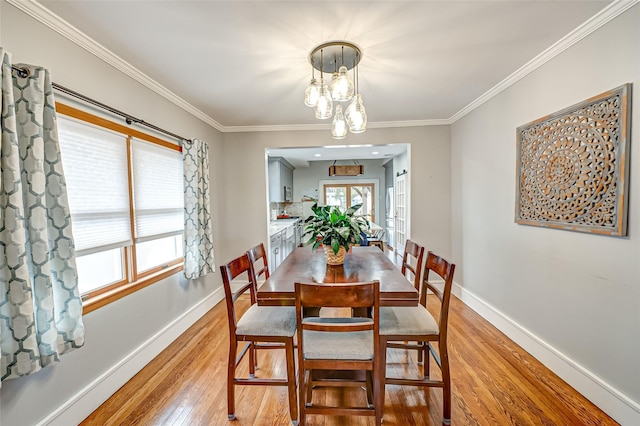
(412, 262)
(377, 239)
(417, 324)
(260, 327)
(411, 269)
(259, 267)
(331, 346)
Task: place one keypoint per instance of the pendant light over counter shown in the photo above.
(337, 58)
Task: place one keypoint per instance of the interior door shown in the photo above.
(401, 212)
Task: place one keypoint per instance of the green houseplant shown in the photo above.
(335, 229)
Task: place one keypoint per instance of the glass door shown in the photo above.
(347, 195)
(401, 213)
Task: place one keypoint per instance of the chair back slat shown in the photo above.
(242, 290)
(338, 295)
(338, 327)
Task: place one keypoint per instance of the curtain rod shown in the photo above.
(129, 119)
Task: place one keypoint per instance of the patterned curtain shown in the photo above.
(40, 308)
(198, 240)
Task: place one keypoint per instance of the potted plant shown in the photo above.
(335, 229)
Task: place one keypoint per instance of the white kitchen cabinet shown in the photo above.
(280, 180)
(289, 240)
(284, 237)
(275, 258)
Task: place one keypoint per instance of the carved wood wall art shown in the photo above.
(573, 166)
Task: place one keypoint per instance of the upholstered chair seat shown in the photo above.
(343, 346)
(268, 321)
(407, 320)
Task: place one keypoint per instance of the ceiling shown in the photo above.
(244, 64)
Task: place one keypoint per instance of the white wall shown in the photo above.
(579, 293)
(124, 334)
(245, 194)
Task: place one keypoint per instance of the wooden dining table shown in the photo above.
(362, 264)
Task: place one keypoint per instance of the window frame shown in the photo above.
(133, 281)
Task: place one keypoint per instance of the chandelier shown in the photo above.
(337, 58)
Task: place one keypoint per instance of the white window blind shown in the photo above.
(157, 191)
(95, 166)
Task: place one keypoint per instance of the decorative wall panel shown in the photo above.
(573, 166)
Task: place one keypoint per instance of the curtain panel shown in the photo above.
(198, 240)
(40, 307)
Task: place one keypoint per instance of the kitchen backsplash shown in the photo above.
(292, 209)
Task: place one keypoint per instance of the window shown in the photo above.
(125, 194)
(158, 204)
(347, 195)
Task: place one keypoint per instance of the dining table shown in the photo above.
(361, 264)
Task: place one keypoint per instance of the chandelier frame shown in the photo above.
(330, 56)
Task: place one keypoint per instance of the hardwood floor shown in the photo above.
(494, 382)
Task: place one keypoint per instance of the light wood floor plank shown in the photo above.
(494, 381)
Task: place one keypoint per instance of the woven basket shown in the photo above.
(334, 259)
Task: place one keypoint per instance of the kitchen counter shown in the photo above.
(280, 224)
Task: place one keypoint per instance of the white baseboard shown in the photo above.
(78, 407)
(613, 402)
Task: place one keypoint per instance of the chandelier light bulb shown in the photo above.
(341, 86)
(339, 125)
(356, 115)
(311, 93)
(324, 106)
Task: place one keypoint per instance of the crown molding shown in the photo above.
(617, 7)
(409, 123)
(276, 128)
(297, 127)
(62, 27)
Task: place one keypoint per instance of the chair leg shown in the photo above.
(446, 388)
(420, 353)
(252, 360)
(291, 381)
(255, 355)
(302, 389)
(382, 374)
(369, 389)
(426, 369)
(309, 384)
(231, 374)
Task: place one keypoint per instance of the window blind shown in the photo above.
(157, 191)
(95, 165)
